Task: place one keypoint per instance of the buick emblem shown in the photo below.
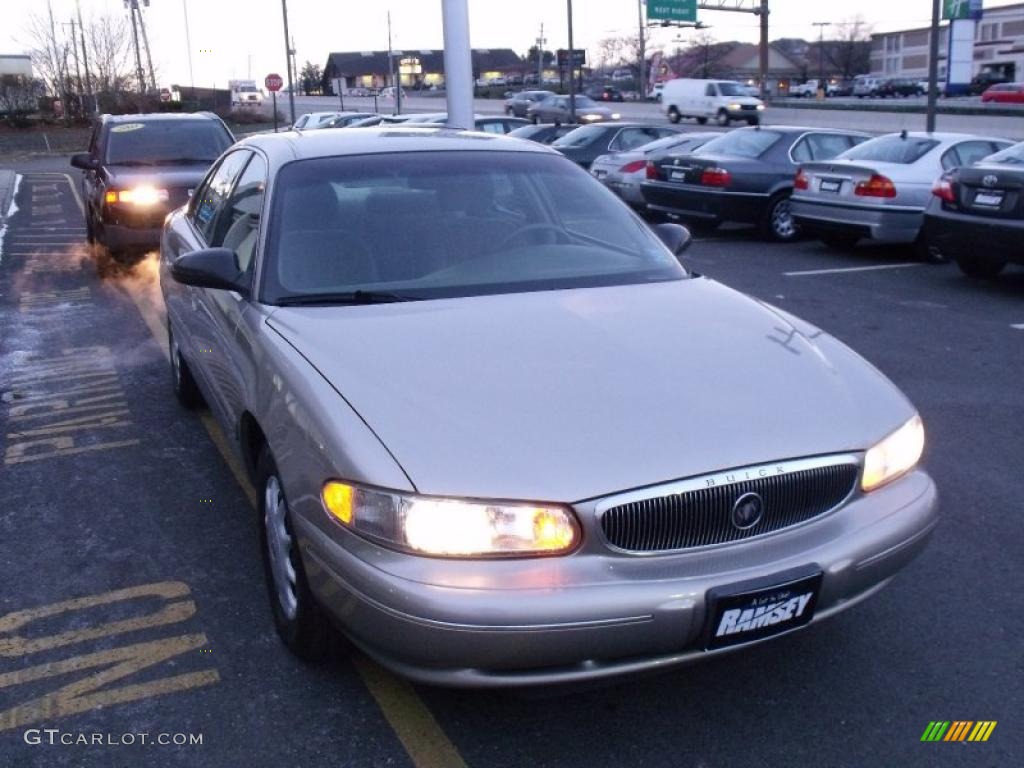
(990, 180)
(747, 511)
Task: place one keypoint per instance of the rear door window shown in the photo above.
(210, 199)
(966, 153)
(892, 149)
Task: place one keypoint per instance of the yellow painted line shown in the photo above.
(419, 732)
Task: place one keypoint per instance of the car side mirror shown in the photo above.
(211, 268)
(675, 236)
(84, 161)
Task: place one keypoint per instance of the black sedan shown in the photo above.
(141, 167)
(745, 176)
(604, 93)
(588, 142)
(976, 215)
(545, 133)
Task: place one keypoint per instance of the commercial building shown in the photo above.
(998, 47)
(16, 64)
(415, 68)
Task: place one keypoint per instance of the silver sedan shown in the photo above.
(879, 189)
(556, 109)
(501, 436)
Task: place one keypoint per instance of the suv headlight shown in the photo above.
(452, 527)
(896, 455)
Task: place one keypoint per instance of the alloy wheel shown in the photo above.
(279, 548)
(782, 220)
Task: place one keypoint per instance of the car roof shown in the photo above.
(296, 145)
(944, 136)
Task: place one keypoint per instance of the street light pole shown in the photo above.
(458, 64)
(643, 52)
(572, 70)
(933, 67)
(821, 51)
(288, 61)
(541, 42)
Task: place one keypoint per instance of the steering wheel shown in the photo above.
(560, 234)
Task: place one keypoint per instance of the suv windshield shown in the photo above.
(166, 141)
(742, 143)
(891, 149)
(731, 89)
(410, 226)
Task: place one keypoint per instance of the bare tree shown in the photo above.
(108, 40)
(48, 52)
(849, 52)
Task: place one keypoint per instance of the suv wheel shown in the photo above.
(299, 620)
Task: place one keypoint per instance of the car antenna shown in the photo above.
(903, 134)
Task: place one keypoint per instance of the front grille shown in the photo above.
(702, 516)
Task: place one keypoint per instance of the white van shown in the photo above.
(866, 85)
(703, 100)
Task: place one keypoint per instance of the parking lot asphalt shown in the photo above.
(133, 598)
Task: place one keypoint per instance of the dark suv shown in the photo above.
(141, 167)
(899, 86)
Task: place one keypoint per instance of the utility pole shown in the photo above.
(933, 67)
(62, 89)
(78, 68)
(821, 53)
(129, 4)
(391, 69)
(572, 69)
(763, 66)
(643, 51)
(541, 42)
(458, 63)
(288, 54)
(85, 60)
(145, 42)
(188, 45)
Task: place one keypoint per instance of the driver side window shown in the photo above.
(238, 227)
(211, 197)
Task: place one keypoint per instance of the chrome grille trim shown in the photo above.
(691, 514)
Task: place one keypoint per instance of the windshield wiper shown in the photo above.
(347, 297)
(185, 161)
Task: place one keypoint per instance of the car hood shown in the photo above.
(572, 394)
(158, 175)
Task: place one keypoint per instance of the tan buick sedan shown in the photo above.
(501, 435)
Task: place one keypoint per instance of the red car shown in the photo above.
(1005, 93)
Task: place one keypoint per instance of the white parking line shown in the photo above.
(852, 269)
(1018, 326)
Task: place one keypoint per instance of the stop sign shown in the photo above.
(273, 82)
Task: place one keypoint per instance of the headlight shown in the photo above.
(452, 527)
(734, 107)
(138, 196)
(760, 107)
(590, 117)
(616, 115)
(894, 456)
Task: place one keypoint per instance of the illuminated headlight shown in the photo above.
(141, 196)
(452, 527)
(894, 456)
(616, 115)
(760, 107)
(590, 117)
(735, 107)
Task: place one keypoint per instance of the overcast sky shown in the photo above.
(229, 36)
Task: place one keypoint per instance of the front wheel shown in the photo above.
(972, 266)
(673, 115)
(723, 118)
(298, 618)
(777, 223)
(185, 389)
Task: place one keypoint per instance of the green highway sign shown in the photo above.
(954, 10)
(672, 10)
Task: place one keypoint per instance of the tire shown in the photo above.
(723, 118)
(184, 385)
(702, 120)
(90, 234)
(673, 115)
(972, 266)
(536, 119)
(840, 242)
(777, 224)
(299, 620)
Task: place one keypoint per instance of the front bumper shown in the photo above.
(709, 204)
(888, 224)
(957, 234)
(594, 614)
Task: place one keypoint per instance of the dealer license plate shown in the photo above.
(677, 175)
(830, 186)
(754, 610)
(989, 199)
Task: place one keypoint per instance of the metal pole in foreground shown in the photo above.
(458, 64)
(763, 58)
(288, 60)
(572, 70)
(85, 60)
(933, 67)
(273, 95)
(643, 53)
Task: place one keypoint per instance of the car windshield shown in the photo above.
(891, 149)
(580, 137)
(416, 226)
(741, 143)
(1011, 155)
(731, 89)
(166, 141)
